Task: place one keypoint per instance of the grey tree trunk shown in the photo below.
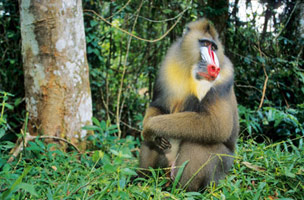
(57, 89)
(301, 20)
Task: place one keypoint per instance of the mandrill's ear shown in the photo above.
(186, 30)
(209, 28)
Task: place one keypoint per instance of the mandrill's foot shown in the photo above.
(162, 143)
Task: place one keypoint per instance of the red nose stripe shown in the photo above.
(211, 54)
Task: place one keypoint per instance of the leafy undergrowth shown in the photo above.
(44, 172)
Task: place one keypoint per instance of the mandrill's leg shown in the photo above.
(150, 156)
(208, 160)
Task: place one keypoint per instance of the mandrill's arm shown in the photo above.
(214, 126)
(151, 112)
(160, 142)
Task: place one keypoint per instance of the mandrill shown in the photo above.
(193, 116)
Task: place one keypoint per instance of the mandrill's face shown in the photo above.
(202, 51)
(208, 66)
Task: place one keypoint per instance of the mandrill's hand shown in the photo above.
(161, 142)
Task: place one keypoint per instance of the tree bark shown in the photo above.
(57, 89)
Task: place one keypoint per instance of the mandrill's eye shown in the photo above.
(207, 43)
(204, 43)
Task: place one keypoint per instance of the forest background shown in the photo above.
(266, 48)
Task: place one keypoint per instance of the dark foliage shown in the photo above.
(119, 62)
(11, 72)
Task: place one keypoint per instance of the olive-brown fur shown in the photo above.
(205, 126)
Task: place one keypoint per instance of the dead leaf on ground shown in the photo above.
(54, 168)
(254, 167)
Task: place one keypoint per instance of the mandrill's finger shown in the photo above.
(165, 143)
(162, 147)
(161, 143)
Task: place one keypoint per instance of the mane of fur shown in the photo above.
(175, 72)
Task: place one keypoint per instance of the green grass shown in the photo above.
(43, 172)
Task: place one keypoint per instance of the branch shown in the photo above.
(123, 74)
(294, 8)
(265, 82)
(122, 8)
(264, 88)
(248, 86)
(165, 20)
(132, 35)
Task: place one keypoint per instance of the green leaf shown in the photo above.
(95, 121)
(116, 153)
(9, 106)
(261, 59)
(93, 23)
(122, 184)
(17, 101)
(34, 147)
(9, 192)
(97, 155)
(110, 168)
(167, 11)
(103, 125)
(247, 60)
(189, 194)
(2, 132)
(178, 175)
(290, 174)
(7, 145)
(128, 171)
(90, 128)
(28, 188)
(153, 173)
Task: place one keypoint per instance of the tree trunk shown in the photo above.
(300, 31)
(219, 19)
(57, 90)
(301, 21)
(268, 14)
